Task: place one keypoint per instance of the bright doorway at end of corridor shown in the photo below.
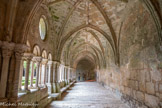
(85, 70)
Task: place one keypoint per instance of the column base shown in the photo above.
(67, 82)
(54, 87)
(57, 87)
(50, 88)
(63, 84)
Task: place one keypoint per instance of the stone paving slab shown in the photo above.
(88, 95)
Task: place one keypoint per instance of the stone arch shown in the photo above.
(36, 50)
(93, 34)
(83, 53)
(44, 54)
(98, 53)
(50, 56)
(29, 46)
(29, 11)
(82, 27)
(156, 17)
(82, 57)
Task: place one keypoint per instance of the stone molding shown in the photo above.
(7, 48)
(44, 61)
(21, 48)
(27, 56)
(50, 62)
(37, 59)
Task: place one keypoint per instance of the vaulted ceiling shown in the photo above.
(88, 28)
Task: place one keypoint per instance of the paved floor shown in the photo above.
(88, 95)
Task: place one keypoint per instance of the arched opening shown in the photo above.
(85, 71)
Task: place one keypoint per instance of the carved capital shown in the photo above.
(19, 51)
(44, 61)
(18, 55)
(7, 45)
(6, 53)
(21, 48)
(28, 56)
(37, 59)
(7, 49)
(50, 62)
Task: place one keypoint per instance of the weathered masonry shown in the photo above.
(48, 45)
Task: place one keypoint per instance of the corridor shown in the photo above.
(88, 95)
(47, 45)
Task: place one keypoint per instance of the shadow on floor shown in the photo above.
(66, 93)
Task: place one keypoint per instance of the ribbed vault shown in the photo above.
(92, 27)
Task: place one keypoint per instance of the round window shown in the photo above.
(42, 28)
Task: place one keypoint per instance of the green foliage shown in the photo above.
(23, 81)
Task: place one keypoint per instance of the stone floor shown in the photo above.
(88, 95)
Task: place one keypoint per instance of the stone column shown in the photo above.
(63, 70)
(71, 74)
(7, 50)
(40, 74)
(27, 74)
(59, 72)
(19, 51)
(74, 74)
(64, 75)
(38, 60)
(67, 75)
(32, 74)
(44, 77)
(50, 77)
(21, 74)
(49, 72)
(56, 79)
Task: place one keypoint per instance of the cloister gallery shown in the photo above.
(81, 53)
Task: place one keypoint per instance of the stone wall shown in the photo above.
(138, 80)
(34, 35)
(40, 98)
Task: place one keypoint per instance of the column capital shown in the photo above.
(50, 62)
(44, 61)
(8, 45)
(7, 48)
(28, 56)
(21, 48)
(37, 59)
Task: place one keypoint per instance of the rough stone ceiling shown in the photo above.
(86, 25)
